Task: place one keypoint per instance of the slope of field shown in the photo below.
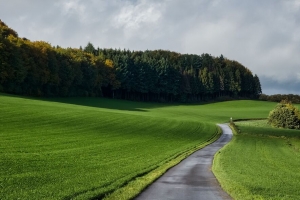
(78, 148)
(212, 112)
(260, 163)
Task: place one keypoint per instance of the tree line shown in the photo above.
(279, 97)
(39, 69)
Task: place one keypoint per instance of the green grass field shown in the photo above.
(260, 163)
(80, 148)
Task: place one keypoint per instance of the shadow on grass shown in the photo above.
(107, 103)
(98, 102)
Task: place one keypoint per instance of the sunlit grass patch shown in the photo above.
(254, 123)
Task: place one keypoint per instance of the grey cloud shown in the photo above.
(262, 35)
(273, 86)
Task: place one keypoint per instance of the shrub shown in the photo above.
(285, 115)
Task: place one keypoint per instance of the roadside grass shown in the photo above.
(82, 148)
(262, 128)
(260, 163)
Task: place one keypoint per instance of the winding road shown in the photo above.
(192, 178)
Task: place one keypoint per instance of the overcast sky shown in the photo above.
(263, 35)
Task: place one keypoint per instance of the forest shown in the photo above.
(36, 68)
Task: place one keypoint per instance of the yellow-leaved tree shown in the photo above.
(285, 115)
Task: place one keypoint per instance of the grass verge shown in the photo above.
(260, 163)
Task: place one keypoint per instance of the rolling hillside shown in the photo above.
(78, 148)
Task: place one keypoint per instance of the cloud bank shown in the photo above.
(262, 35)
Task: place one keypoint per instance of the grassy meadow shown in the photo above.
(260, 163)
(85, 148)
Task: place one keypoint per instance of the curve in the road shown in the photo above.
(192, 178)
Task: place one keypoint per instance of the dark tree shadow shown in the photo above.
(108, 103)
(98, 102)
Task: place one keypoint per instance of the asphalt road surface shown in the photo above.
(192, 178)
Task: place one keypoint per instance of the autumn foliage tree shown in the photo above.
(38, 69)
(285, 115)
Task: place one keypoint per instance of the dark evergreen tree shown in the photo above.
(90, 48)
